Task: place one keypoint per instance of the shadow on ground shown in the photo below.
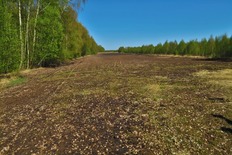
(214, 59)
(224, 129)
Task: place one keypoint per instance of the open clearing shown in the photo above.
(119, 104)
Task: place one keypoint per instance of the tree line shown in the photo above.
(37, 33)
(214, 47)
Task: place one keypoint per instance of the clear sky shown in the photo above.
(115, 23)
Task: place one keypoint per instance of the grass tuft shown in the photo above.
(12, 81)
(16, 81)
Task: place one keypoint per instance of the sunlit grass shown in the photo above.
(222, 78)
(12, 81)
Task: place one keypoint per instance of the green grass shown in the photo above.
(12, 81)
(16, 81)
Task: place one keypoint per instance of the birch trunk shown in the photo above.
(20, 35)
(27, 45)
(34, 30)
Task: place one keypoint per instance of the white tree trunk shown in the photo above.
(35, 24)
(27, 45)
(21, 35)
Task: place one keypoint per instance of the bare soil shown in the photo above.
(118, 104)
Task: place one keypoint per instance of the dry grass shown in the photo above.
(152, 91)
(220, 78)
(4, 82)
(12, 81)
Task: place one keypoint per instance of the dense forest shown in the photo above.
(37, 33)
(214, 47)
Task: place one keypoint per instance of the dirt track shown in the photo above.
(118, 104)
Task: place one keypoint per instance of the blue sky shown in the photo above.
(115, 23)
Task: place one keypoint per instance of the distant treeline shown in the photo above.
(214, 47)
(37, 33)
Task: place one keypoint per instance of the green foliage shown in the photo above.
(173, 47)
(100, 48)
(50, 37)
(181, 48)
(218, 47)
(72, 34)
(193, 48)
(41, 33)
(9, 53)
(203, 47)
(211, 47)
(77, 41)
(121, 50)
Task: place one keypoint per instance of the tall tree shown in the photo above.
(50, 37)
(41, 33)
(27, 45)
(193, 48)
(172, 47)
(37, 4)
(21, 34)
(224, 46)
(203, 47)
(181, 48)
(211, 47)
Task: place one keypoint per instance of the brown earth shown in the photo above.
(118, 104)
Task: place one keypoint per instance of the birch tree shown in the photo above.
(21, 34)
(41, 33)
